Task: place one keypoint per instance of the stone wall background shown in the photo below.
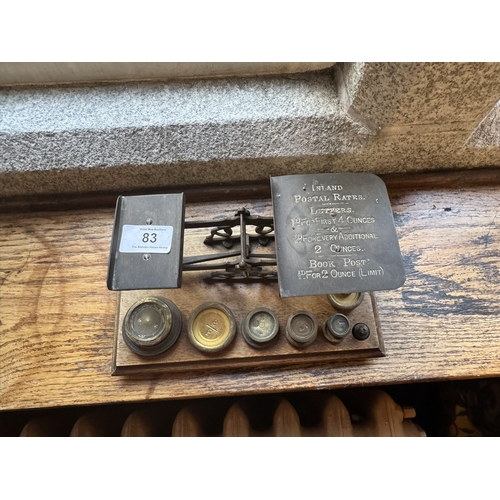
(349, 117)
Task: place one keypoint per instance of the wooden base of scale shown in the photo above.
(240, 299)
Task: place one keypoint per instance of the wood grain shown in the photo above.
(239, 191)
(57, 316)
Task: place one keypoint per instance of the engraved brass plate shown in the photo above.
(335, 233)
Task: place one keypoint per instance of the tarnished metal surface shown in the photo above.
(260, 327)
(337, 326)
(301, 329)
(151, 326)
(334, 234)
(146, 249)
(345, 301)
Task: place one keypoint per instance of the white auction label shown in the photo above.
(139, 239)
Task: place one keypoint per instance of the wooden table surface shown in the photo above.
(57, 317)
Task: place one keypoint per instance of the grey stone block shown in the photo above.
(487, 134)
(367, 117)
(145, 125)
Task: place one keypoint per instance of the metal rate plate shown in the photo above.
(146, 248)
(335, 233)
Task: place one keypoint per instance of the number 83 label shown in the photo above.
(140, 239)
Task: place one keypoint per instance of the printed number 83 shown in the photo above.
(146, 238)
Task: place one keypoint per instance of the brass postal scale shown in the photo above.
(292, 286)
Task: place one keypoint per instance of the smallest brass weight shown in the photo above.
(260, 327)
(151, 326)
(211, 327)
